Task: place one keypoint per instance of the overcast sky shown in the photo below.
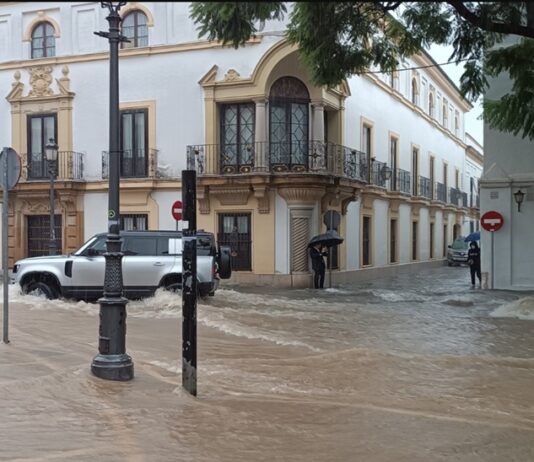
(473, 126)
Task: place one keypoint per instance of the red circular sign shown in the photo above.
(177, 210)
(491, 221)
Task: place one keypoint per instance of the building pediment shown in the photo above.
(495, 172)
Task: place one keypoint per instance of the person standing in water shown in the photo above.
(473, 259)
(318, 265)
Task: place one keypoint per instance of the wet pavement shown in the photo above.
(413, 368)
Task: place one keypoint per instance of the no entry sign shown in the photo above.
(177, 210)
(491, 221)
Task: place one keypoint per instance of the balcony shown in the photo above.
(425, 188)
(455, 196)
(314, 157)
(441, 192)
(355, 163)
(69, 166)
(133, 163)
(309, 157)
(400, 181)
(379, 173)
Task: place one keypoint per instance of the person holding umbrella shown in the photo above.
(473, 259)
(318, 265)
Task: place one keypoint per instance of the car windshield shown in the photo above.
(460, 244)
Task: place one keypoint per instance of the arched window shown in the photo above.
(43, 41)
(415, 91)
(431, 104)
(134, 28)
(289, 118)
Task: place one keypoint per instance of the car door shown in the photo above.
(88, 271)
(145, 263)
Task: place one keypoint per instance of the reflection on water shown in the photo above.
(407, 369)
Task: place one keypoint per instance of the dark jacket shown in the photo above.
(317, 259)
(473, 256)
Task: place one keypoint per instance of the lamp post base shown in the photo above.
(113, 367)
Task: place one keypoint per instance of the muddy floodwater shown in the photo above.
(414, 368)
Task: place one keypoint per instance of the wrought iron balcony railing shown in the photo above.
(355, 163)
(425, 187)
(400, 181)
(456, 197)
(231, 159)
(441, 192)
(379, 173)
(133, 163)
(69, 166)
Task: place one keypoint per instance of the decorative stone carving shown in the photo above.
(367, 201)
(300, 194)
(261, 193)
(394, 206)
(203, 200)
(17, 87)
(40, 80)
(236, 195)
(346, 201)
(231, 76)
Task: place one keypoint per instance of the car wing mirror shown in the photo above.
(449, 246)
(92, 252)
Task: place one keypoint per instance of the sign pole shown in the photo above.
(189, 283)
(5, 250)
(492, 258)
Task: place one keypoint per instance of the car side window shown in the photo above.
(143, 246)
(100, 245)
(163, 246)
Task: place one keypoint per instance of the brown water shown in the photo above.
(409, 369)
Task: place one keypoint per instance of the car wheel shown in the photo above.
(41, 288)
(174, 287)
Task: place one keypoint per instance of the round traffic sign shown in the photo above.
(491, 221)
(10, 176)
(177, 210)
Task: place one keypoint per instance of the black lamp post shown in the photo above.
(51, 157)
(112, 362)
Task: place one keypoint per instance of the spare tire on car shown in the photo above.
(224, 262)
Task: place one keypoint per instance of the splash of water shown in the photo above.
(522, 308)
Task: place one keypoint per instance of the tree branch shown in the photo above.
(389, 6)
(498, 27)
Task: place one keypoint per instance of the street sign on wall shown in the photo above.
(176, 210)
(491, 221)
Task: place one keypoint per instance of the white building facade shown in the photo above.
(508, 169)
(387, 153)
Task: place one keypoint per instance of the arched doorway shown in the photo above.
(288, 124)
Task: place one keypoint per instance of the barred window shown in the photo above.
(131, 222)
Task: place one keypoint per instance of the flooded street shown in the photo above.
(414, 368)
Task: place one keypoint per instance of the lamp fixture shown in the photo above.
(519, 196)
(51, 150)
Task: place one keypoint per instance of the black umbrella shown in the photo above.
(328, 239)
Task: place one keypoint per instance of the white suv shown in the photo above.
(152, 259)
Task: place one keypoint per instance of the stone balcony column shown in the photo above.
(260, 137)
(317, 147)
(318, 122)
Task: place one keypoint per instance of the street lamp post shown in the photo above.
(51, 157)
(112, 362)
